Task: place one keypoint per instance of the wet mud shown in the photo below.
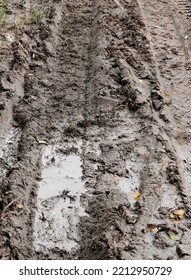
(95, 125)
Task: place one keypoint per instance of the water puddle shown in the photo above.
(59, 201)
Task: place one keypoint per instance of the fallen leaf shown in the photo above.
(53, 213)
(189, 60)
(173, 236)
(20, 206)
(136, 195)
(179, 213)
(150, 256)
(171, 215)
(42, 142)
(33, 55)
(152, 227)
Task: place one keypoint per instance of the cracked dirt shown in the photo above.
(95, 126)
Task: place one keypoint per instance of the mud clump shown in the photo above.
(105, 231)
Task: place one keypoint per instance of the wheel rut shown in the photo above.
(173, 74)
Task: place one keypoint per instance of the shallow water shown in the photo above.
(59, 201)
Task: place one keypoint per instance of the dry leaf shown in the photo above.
(189, 60)
(175, 213)
(152, 227)
(171, 215)
(33, 55)
(179, 213)
(20, 206)
(136, 195)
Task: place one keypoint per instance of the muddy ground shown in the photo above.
(95, 126)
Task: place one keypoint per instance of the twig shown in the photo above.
(143, 127)
(6, 207)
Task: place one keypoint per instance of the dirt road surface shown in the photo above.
(95, 127)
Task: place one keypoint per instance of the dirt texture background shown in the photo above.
(95, 126)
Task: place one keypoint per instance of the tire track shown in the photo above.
(118, 225)
(180, 13)
(185, 8)
(69, 71)
(174, 78)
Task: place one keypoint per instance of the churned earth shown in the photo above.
(95, 127)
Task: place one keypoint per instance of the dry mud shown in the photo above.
(95, 126)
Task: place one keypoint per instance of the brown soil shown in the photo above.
(95, 126)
